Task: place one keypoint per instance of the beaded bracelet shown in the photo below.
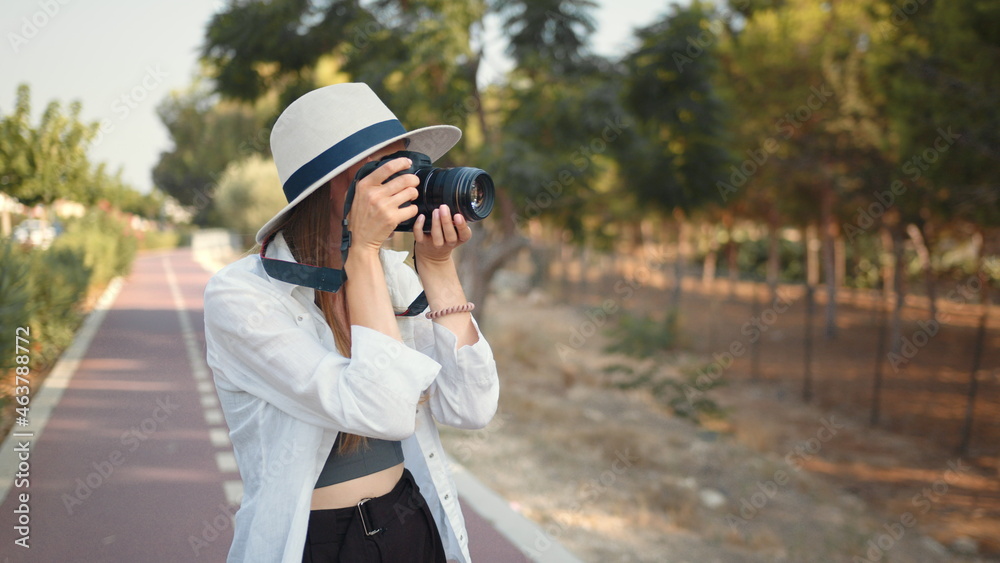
(450, 310)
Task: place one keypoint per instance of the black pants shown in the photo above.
(393, 528)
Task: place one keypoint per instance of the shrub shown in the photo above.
(157, 240)
(647, 341)
(15, 296)
(248, 195)
(56, 302)
(46, 289)
(102, 241)
(643, 336)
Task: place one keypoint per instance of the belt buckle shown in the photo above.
(364, 523)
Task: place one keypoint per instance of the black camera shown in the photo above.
(468, 191)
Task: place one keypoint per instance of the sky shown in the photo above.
(121, 58)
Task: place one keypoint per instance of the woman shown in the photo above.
(331, 397)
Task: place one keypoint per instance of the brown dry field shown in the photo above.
(615, 476)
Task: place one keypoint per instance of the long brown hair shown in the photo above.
(312, 232)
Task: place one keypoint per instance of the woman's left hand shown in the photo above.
(447, 233)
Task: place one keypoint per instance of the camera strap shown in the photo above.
(326, 279)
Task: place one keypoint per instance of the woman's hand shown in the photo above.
(447, 233)
(376, 210)
(437, 270)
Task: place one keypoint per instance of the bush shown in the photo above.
(102, 241)
(15, 296)
(248, 195)
(157, 240)
(647, 340)
(56, 303)
(46, 289)
(643, 336)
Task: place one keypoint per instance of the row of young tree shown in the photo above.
(872, 123)
(50, 160)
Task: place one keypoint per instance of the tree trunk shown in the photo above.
(484, 255)
(899, 290)
(924, 255)
(732, 260)
(682, 257)
(755, 346)
(828, 230)
(711, 258)
(876, 405)
(978, 244)
(565, 259)
(807, 386)
(887, 263)
(970, 404)
(585, 256)
(812, 256)
(480, 261)
(773, 255)
(542, 255)
(840, 254)
(489, 133)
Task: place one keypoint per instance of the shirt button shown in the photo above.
(301, 318)
(446, 495)
(431, 455)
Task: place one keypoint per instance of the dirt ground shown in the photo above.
(614, 476)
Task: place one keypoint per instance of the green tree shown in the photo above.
(548, 34)
(933, 68)
(207, 135)
(48, 161)
(680, 146)
(39, 164)
(422, 57)
(247, 195)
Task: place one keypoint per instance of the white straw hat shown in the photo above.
(328, 130)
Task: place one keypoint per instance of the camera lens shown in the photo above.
(468, 191)
(479, 202)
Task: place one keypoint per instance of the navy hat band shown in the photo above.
(335, 156)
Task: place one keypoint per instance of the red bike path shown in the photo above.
(134, 462)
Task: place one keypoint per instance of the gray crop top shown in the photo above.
(365, 460)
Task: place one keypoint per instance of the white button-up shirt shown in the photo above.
(286, 392)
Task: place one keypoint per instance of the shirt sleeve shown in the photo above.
(257, 344)
(466, 390)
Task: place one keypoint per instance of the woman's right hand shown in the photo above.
(376, 210)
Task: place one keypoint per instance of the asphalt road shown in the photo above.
(134, 463)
